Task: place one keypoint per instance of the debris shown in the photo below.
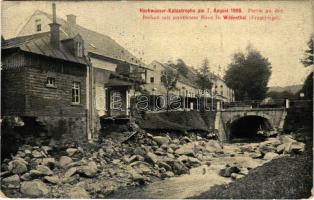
(34, 189)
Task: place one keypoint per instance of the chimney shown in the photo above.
(54, 29)
(71, 19)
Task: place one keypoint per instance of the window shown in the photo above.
(38, 25)
(79, 49)
(76, 93)
(151, 79)
(51, 82)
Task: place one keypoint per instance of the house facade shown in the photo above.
(107, 60)
(44, 78)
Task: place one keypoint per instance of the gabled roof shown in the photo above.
(96, 42)
(40, 44)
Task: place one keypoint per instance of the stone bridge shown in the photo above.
(268, 118)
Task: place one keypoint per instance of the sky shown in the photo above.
(282, 41)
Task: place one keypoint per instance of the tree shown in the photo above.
(204, 76)
(307, 59)
(169, 79)
(182, 67)
(248, 74)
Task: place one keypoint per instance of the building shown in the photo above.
(186, 86)
(44, 79)
(108, 60)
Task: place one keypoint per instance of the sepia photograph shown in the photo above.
(157, 99)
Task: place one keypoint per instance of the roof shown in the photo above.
(96, 42)
(40, 44)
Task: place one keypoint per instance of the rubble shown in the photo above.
(68, 170)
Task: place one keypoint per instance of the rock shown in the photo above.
(286, 139)
(64, 161)
(141, 167)
(11, 180)
(151, 157)
(186, 139)
(161, 140)
(37, 154)
(17, 166)
(46, 149)
(164, 165)
(212, 146)
(71, 151)
(189, 161)
(44, 170)
(26, 177)
(280, 148)
(101, 152)
(50, 162)
(186, 149)
(90, 170)
(52, 179)
(266, 147)
(236, 176)
(34, 189)
(27, 152)
(256, 155)
(297, 147)
(70, 172)
(244, 171)
(36, 174)
(174, 146)
(271, 156)
(139, 151)
(139, 178)
(226, 172)
(179, 168)
(77, 193)
(168, 174)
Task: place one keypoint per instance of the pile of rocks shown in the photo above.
(95, 170)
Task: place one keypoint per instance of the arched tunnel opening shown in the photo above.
(249, 127)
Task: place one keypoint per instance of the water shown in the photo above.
(199, 180)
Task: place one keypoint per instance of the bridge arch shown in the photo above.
(247, 125)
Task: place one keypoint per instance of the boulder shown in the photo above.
(212, 146)
(64, 161)
(11, 180)
(151, 157)
(44, 170)
(89, 170)
(281, 148)
(189, 161)
(286, 139)
(34, 189)
(141, 167)
(71, 151)
(266, 147)
(164, 165)
(50, 162)
(167, 174)
(70, 172)
(297, 147)
(226, 172)
(37, 154)
(17, 166)
(26, 177)
(139, 178)
(271, 155)
(179, 168)
(77, 192)
(236, 176)
(161, 140)
(186, 149)
(52, 179)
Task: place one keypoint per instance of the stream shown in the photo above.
(199, 180)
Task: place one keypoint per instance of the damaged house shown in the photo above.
(107, 75)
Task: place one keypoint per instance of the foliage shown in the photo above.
(169, 79)
(248, 74)
(307, 59)
(307, 88)
(204, 76)
(281, 95)
(182, 67)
